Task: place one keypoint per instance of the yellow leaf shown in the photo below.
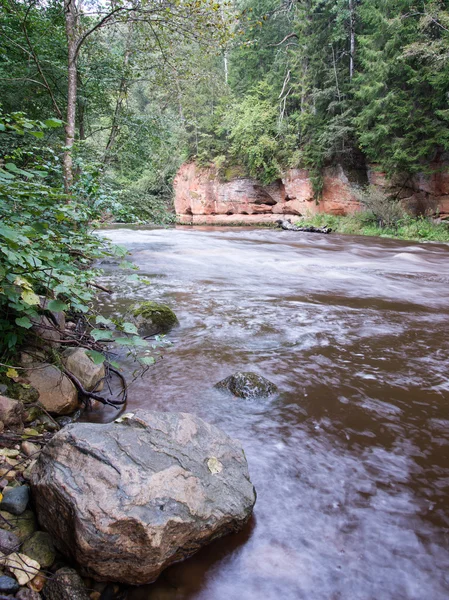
(214, 465)
(1, 496)
(11, 373)
(20, 281)
(30, 297)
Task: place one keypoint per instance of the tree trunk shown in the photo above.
(352, 38)
(70, 11)
(122, 93)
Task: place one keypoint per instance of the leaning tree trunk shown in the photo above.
(70, 11)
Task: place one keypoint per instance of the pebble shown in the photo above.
(23, 525)
(66, 584)
(27, 594)
(8, 585)
(9, 542)
(7, 473)
(28, 448)
(15, 500)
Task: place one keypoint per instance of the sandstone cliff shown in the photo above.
(201, 197)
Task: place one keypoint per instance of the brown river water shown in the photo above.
(351, 460)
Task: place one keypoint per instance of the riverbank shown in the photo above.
(414, 229)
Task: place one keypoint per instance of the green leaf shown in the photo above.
(37, 134)
(96, 357)
(147, 360)
(24, 322)
(133, 277)
(53, 122)
(57, 305)
(130, 328)
(100, 320)
(101, 334)
(124, 341)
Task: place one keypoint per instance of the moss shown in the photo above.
(160, 316)
(21, 391)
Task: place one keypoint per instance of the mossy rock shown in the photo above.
(23, 392)
(23, 525)
(152, 318)
(40, 548)
(247, 385)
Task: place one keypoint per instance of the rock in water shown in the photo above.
(152, 318)
(247, 385)
(126, 499)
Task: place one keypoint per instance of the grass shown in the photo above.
(364, 223)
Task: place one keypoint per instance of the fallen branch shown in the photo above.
(94, 395)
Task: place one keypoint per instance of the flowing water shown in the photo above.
(351, 459)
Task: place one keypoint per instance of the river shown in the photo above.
(351, 460)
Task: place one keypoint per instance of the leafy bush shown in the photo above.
(46, 248)
(387, 211)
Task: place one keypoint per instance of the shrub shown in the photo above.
(387, 211)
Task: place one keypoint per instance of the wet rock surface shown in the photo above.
(247, 385)
(152, 318)
(127, 499)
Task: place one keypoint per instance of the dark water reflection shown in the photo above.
(351, 460)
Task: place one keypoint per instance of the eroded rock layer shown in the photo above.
(201, 197)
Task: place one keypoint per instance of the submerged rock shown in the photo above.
(152, 318)
(247, 385)
(126, 499)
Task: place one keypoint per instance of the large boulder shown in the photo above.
(126, 499)
(78, 362)
(57, 394)
(247, 385)
(152, 318)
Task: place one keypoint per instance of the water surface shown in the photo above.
(351, 459)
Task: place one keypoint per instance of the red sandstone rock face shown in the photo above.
(201, 197)
(421, 193)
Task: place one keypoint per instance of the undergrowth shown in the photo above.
(364, 223)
